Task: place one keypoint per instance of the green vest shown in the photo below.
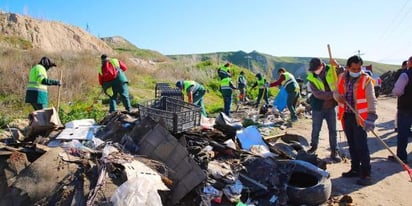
(188, 84)
(225, 83)
(120, 73)
(36, 76)
(329, 79)
(261, 83)
(316, 103)
(223, 68)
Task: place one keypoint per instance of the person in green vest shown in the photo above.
(263, 89)
(195, 93)
(242, 85)
(111, 75)
(226, 88)
(224, 71)
(288, 81)
(36, 93)
(322, 83)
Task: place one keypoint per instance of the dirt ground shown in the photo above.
(392, 185)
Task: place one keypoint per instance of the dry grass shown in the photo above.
(80, 81)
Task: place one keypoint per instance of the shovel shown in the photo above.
(405, 166)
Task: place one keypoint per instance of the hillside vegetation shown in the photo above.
(77, 54)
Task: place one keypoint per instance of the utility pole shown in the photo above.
(248, 62)
(359, 53)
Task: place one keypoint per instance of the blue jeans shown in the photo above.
(404, 125)
(358, 145)
(317, 120)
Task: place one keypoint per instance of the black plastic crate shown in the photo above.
(178, 115)
(165, 90)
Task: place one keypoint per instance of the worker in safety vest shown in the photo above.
(242, 85)
(224, 71)
(322, 83)
(226, 88)
(36, 93)
(357, 111)
(262, 84)
(288, 81)
(195, 93)
(111, 75)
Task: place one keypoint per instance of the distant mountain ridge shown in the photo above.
(267, 64)
(23, 32)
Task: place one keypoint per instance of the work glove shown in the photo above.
(340, 98)
(370, 122)
(59, 83)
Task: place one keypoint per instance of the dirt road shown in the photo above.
(392, 185)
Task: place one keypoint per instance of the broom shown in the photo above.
(405, 166)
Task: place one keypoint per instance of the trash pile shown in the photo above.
(388, 82)
(127, 159)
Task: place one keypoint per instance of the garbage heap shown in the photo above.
(388, 81)
(129, 160)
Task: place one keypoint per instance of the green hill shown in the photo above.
(267, 64)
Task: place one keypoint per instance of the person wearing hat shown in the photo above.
(111, 75)
(242, 85)
(288, 81)
(195, 93)
(322, 82)
(36, 93)
(263, 89)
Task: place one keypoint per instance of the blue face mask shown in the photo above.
(354, 74)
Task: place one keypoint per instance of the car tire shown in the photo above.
(308, 184)
(377, 91)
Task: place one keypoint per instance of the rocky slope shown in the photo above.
(50, 36)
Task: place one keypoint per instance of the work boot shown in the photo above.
(365, 181)
(312, 150)
(335, 157)
(351, 173)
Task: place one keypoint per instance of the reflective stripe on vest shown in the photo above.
(36, 76)
(361, 103)
(225, 83)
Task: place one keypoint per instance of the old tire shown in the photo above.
(308, 185)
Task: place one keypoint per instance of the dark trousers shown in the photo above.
(38, 106)
(291, 104)
(227, 100)
(404, 131)
(262, 92)
(358, 145)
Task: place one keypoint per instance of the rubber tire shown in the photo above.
(377, 91)
(316, 193)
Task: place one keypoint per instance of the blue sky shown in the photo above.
(379, 29)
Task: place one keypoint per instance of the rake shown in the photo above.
(405, 166)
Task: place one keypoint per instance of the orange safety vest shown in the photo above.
(359, 96)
